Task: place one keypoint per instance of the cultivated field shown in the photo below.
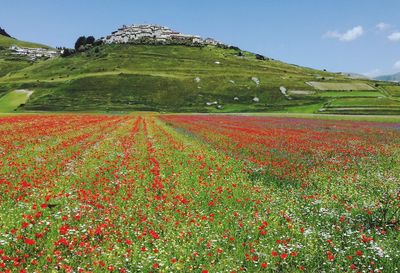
(339, 86)
(178, 193)
(393, 90)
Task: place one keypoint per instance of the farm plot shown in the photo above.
(393, 90)
(350, 94)
(338, 86)
(363, 106)
(94, 193)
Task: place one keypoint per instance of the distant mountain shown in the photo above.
(4, 33)
(389, 78)
(355, 76)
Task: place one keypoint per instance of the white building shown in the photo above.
(34, 53)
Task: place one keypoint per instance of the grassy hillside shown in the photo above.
(9, 62)
(178, 79)
(13, 99)
(7, 42)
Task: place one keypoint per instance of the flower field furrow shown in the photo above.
(49, 160)
(289, 151)
(12, 140)
(93, 193)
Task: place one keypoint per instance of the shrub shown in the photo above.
(98, 42)
(260, 57)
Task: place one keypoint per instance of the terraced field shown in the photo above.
(393, 90)
(341, 86)
(176, 193)
(364, 105)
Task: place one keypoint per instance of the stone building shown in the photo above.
(34, 53)
(132, 33)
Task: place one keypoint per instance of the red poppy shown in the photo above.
(29, 241)
(154, 234)
(330, 256)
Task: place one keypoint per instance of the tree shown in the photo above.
(90, 40)
(80, 42)
(234, 48)
(98, 42)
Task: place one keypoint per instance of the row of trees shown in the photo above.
(82, 44)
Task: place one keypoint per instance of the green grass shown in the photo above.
(365, 102)
(9, 62)
(12, 64)
(393, 90)
(308, 108)
(342, 94)
(7, 42)
(160, 78)
(163, 79)
(10, 101)
(363, 106)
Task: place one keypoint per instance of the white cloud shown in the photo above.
(395, 36)
(350, 35)
(373, 73)
(382, 26)
(397, 65)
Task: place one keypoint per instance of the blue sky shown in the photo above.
(361, 36)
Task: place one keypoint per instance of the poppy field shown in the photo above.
(198, 193)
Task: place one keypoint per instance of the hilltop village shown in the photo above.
(156, 33)
(134, 34)
(34, 53)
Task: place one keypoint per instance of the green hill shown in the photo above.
(172, 78)
(10, 62)
(6, 42)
